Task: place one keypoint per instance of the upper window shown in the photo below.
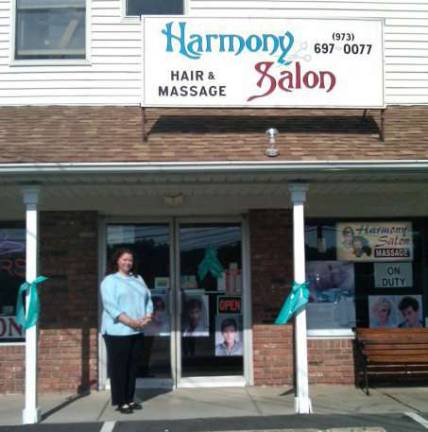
(50, 29)
(154, 7)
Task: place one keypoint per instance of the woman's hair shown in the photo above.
(382, 302)
(112, 265)
(347, 230)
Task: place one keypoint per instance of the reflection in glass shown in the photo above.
(210, 268)
(150, 244)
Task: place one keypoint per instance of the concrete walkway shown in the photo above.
(218, 403)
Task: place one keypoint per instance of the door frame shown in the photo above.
(176, 380)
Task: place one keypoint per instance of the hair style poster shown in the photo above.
(228, 335)
(195, 315)
(160, 323)
(374, 241)
(402, 311)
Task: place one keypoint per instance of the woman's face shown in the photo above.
(229, 334)
(383, 313)
(125, 263)
(194, 315)
(358, 245)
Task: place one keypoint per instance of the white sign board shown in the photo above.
(9, 328)
(262, 62)
(393, 275)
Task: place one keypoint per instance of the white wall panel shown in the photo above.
(406, 33)
(112, 75)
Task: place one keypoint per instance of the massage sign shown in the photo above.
(262, 62)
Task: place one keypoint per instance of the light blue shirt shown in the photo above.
(123, 294)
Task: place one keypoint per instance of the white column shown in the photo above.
(302, 402)
(31, 413)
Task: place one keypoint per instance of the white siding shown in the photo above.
(111, 77)
(406, 33)
(113, 74)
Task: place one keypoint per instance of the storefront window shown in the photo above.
(364, 274)
(12, 274)
(154, 7)
(50, 29)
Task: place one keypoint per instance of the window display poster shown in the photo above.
(402, 311)
(331, 294)
(228, 335)
(393, 275)
(195, 315)
(160, 324)
(374, 241)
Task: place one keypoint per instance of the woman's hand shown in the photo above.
(145, 320)
(136, 324)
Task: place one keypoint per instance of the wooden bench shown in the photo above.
(396, 352)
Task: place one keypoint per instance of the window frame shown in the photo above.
(48, 62)
(134, 18)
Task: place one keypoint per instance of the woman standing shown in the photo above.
(127, 308)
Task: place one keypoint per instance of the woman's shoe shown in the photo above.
(136, 406)
(125, 409)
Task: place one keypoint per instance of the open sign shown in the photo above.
(226, 304)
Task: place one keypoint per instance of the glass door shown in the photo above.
(150, 244)
(210, 299)
(194, 272)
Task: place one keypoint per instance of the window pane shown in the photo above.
(50, 29)
(211, 335)
(154, 7)
(352, 285)
(12, 274)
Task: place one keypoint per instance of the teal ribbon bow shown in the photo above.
(210, 263)
(33, 304)
(298, 297)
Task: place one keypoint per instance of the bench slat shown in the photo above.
(397, 359)
(395, 347)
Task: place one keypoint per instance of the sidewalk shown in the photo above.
(218, 403)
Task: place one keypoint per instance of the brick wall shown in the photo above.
(12, 369)
(331, 361)
(271, 277)
(68, 325)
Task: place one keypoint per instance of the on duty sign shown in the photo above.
(393, 275)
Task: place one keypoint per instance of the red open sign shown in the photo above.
(228, 304)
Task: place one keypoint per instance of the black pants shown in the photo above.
(123, 356)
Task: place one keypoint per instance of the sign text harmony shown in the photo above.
(257, 62)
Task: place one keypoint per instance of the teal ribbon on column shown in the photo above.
(297, 298)
(210, 263)
(33, 312)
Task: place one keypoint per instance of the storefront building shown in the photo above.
(186, 183)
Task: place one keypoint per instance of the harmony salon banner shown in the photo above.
(374, 241)
(262, 62)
